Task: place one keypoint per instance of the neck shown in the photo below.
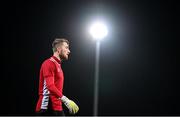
(56, 55)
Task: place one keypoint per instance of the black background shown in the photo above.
(138, 58)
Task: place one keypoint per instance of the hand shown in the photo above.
(71, 105)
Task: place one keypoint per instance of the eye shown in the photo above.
(67, 47)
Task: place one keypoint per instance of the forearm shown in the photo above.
(53, 90)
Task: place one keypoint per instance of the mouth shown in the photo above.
(67, 55)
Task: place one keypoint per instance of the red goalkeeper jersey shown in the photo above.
(50, 85)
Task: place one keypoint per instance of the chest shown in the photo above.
(58, 72)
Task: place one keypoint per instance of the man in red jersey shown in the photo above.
(51, 82)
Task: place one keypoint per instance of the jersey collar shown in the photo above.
(57, 60)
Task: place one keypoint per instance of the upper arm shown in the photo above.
(48, 72)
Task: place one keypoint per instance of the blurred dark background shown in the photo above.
(138, 59)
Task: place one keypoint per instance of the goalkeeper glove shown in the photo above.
(71, 105)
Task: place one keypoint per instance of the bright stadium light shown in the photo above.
(98, 31)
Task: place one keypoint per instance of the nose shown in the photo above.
(69, 51)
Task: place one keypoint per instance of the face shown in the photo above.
(64, 51)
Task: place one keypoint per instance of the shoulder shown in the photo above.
(48, 63)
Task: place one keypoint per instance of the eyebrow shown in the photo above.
(67, 46)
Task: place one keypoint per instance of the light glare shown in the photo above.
(98, 30)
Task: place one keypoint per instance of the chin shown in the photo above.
(65, 57)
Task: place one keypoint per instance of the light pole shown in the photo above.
(98, 31)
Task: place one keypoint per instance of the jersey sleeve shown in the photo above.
(48, 74)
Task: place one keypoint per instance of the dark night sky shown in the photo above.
(138, 59)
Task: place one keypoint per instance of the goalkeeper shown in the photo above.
(51, 80)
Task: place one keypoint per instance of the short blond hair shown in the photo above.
(57, 42)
